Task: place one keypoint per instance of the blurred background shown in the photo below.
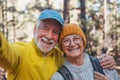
(100, 20)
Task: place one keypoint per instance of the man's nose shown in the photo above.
(49, 35)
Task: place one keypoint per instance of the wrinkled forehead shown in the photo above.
(55, 23)
(52, 21)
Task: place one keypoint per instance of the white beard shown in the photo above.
(43, 45)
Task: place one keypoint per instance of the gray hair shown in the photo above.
(38, 23)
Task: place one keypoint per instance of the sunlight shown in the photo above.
(21, 5)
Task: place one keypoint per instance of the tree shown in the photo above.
(66, 11)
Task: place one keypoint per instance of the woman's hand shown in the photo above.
(99, 76)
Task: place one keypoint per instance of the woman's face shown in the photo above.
(72, 46)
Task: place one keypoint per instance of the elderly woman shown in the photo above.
(73, 42)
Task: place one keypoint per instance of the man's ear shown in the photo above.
(34, 30)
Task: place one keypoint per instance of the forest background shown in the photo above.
(100, 20)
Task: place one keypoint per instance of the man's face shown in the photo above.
(46, 35)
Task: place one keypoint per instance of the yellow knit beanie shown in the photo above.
(70, 29)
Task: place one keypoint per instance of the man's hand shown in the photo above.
(2, 73)
(99, 76)
(107, 61)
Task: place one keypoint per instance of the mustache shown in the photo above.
(49, 41)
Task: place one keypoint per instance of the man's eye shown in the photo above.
(55, 32)
(45, 28)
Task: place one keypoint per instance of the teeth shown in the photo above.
(51, 41)
(47, 41)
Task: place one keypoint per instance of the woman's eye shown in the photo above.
(65, 41)
(77, 39)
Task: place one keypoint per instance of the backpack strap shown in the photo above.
(96, 64)
(65, 73)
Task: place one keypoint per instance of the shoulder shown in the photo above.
(58, 51)
(20, 47)
(57, 76)
(112, 74)
(21, 44)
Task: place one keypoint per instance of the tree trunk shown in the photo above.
(66, 11)
(83, 15)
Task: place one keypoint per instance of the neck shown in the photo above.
(77, 60)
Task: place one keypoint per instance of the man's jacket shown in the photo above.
(24, 61)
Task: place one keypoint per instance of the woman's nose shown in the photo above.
(72, 43)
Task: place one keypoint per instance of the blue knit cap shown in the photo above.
(46, 14)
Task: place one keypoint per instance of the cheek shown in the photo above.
(39, 34)
(64, 50)
(81, 47)
(55, 39)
